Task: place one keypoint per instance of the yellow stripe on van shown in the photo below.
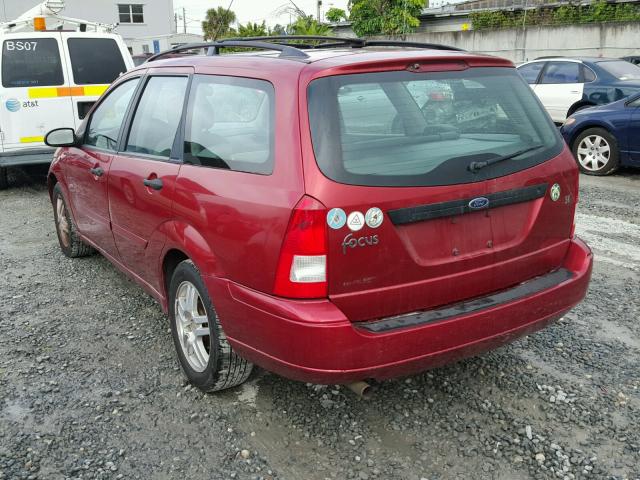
(54, 92)
(31, 139)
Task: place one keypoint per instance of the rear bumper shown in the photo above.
(313, 341)
(32, 156)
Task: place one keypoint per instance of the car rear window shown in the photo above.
(95, 60)
(425, 129)
(621, 69)
(31, 62)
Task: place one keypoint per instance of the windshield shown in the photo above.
(424, 129)
(621, 69)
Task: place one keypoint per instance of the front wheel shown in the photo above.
(206, 357)
(596, 152)
(70, 242)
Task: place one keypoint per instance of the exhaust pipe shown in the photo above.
(362, 389)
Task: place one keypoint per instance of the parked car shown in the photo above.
(605, 137)
(51, 79)
(566, 85)
(299, 210)
(635, 59)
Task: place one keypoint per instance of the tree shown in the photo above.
(335, 15)
(253, 30)
(217, 23)
(384, 17)
(307, 25)
(278, 30)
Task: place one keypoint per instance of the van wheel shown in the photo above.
(70, 243)
(204, 353)
(596, 152)
(4, 178)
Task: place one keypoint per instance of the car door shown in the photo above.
(633, 131)
(86, 168)
(143, 173)
(559, 88)
(531, 72)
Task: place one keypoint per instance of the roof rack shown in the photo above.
(287, 47)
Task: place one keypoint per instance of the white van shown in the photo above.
(50, 79)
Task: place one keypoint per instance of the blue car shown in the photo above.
(605, 137)
(566, 85)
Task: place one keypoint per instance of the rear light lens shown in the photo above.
(302, 266)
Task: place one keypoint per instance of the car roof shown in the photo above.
(573, 59)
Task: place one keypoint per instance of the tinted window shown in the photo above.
(531, 71)
(423, 129)
(95, 60)
(561, 72)
(621, 70)
(230, 124)
(156, 120)
(589, 76)
(31, 62)
(106, 122)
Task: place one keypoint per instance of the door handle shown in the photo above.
(154, 183)
(97, 171)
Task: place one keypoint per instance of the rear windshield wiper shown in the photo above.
(475, 166)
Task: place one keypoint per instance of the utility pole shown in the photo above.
(184, 19)
(319, 6)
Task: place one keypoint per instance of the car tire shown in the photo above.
(596, 152)
(206, 357)
(70, 242)
(4, 178)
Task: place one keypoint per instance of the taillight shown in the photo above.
(302, 267)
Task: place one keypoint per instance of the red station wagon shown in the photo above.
(333, 212)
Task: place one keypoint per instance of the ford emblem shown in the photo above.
(479, 203)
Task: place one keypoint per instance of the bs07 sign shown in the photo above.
(10, 45)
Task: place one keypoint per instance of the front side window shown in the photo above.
(131, 13)
(561, 72)
(425, 129)
(31, 62)
(230, 124)
(106, 122)
(91, 68)
(157, 117)
(531, 71)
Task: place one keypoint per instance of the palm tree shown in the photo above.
(217, 23)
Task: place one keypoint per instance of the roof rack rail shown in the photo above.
(287, 49)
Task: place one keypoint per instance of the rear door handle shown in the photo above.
(97, 171)
(154, 183)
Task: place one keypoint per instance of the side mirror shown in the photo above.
(61, 137)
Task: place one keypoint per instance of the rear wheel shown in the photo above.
(204, 353)
(4, 178)
(596, 152)
(70, 243)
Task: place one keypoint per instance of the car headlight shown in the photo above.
(569, 121)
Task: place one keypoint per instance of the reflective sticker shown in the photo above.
(374, 217)
(355, 221)
(336, 218)
(555, 192)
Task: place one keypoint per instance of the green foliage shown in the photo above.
(384, 17)
(335, 15)
(217, 23)
(253, 30)
(307, 25)
(600, 11)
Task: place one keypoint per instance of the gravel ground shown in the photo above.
(90, 386)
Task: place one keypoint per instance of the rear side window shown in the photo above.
(157, 117)
(424, 129)
(561, 72)
(31, 62)
(230, 124)
(531, 71)
(106, 122)
(95, 60)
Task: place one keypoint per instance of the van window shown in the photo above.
(230, 124)
(95, 60)
(106, 122)
(424, 129)
(31, 62)
(156, 120)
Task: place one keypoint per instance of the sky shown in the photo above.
(247, 10)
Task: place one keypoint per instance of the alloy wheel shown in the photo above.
(192, 325)
(593, 153)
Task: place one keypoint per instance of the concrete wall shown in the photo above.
(518, 45)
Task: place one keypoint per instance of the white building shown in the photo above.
(144, 24)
